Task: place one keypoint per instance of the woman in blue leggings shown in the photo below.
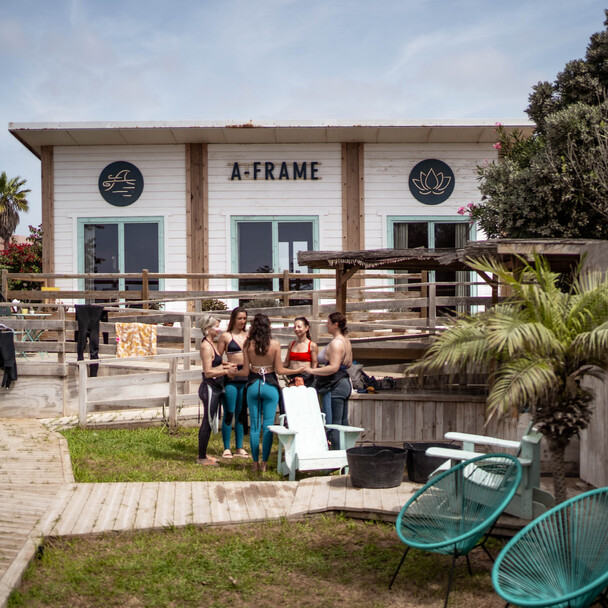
(262, 362)
(333, 382)
(231, 342)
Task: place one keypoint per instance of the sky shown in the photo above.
(163, 60)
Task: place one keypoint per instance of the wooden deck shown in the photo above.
(39, 498)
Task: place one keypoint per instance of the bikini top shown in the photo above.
(233, 346)
(217, 358)
(304, 357)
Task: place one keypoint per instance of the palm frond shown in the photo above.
(464, 343)
(592, 345)
(512, 334)
(521, 382)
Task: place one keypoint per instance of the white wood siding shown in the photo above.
(76, 174)
(387, 170)
(228, 198)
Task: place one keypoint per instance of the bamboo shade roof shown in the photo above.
(563, 255)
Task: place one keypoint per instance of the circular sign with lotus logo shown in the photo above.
(431, 181)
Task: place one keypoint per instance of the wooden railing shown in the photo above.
(382, 310)
(382, 301)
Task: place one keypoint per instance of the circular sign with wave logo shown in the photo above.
(431, 181)
(121, 183)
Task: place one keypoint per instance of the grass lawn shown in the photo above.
(155, 454)
(328, 561)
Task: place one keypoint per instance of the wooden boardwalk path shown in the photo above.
(39, 498)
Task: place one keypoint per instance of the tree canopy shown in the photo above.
(13, 199)
(555, 182)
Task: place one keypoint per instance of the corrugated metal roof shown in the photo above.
(35, 135)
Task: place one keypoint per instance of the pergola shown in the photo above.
(563, 256)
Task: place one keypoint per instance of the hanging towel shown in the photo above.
(135, 339)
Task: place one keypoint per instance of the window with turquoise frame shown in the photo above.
(435, 233)
(125, 245)
(265, 244)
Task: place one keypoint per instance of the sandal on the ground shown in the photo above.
(227, 454)
(207, 462)
(241, 453)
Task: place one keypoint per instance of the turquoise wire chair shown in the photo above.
(456, 510)
(560, 559)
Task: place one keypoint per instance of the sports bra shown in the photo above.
(321, 356)
(304, 357)
(323, 360)
(233, 346)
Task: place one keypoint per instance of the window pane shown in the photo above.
(101, 254)
(141, 251)
(408, 235)
(445, 235)
(255, 254)
(293, 238)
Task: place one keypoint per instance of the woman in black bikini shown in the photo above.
(231, 342)
(212, 386)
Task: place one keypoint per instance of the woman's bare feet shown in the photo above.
(255, 467)
(210, 461)
(263, 467)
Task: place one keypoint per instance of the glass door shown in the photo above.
(120, 246)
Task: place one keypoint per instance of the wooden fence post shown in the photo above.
(197, 309)
(61, 336)
(145, 288)
(187, 325)
(432, 316)
(173, 393)
(82, 394)
(314, 328)
(285, 287)
(4, 284)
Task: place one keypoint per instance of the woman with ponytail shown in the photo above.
(333, 382)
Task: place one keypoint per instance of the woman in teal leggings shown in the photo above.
(231, 342)
(262, 362)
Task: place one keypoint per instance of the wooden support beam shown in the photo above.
(197, 211)
(342, 277)
(48, 211)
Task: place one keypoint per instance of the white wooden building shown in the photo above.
(240, 197)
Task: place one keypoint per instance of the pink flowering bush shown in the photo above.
(26, 257)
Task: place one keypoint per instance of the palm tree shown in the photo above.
(13, 199)
(537, 347)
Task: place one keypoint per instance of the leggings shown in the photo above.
(211, 400)
(262, 400)
(233, 402)
(339, 410)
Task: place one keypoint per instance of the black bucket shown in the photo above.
(376, 466)
(419, 465)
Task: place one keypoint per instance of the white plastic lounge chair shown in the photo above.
(530, 501)
(304, 442)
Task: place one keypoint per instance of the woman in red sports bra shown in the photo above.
(302, 351)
